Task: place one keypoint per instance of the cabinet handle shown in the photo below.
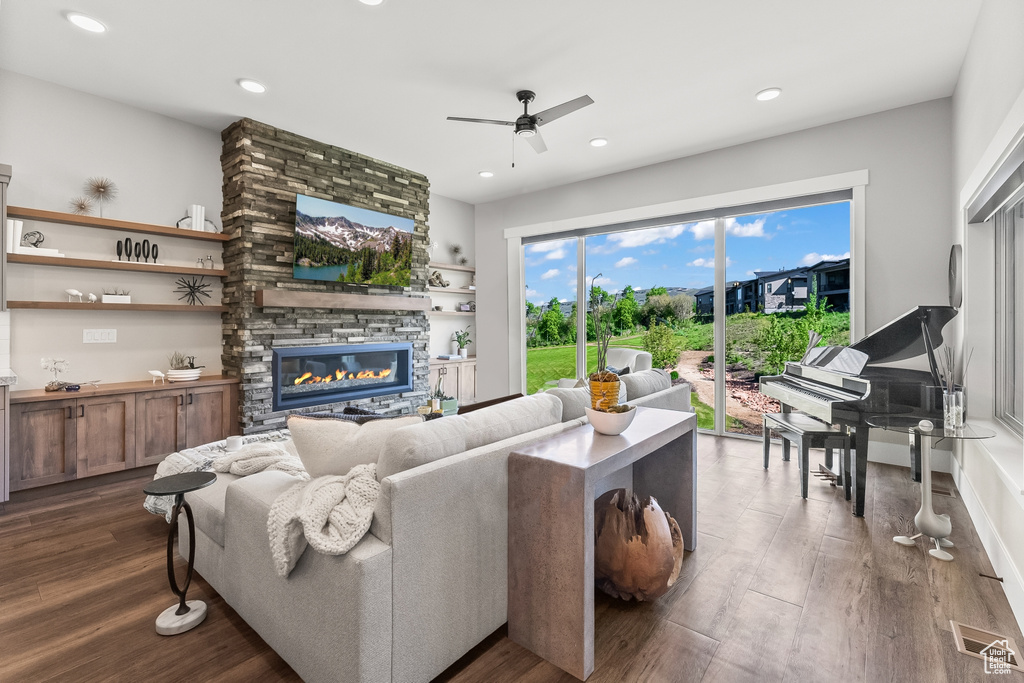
(181, 400)
(81, 411)
(190, 399)
(69, 412)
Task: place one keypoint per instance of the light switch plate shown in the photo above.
(99, 336)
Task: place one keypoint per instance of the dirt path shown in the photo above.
(744, 402)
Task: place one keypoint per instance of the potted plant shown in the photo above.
(463, 340)
(439, 401)
(604, 385)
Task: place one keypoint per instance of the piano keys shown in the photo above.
(850, 399)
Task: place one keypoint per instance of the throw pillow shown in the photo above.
(645, 383)
(421, 444)
(333, 446)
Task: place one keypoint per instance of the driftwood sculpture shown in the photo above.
(437, 280)
(638, 548)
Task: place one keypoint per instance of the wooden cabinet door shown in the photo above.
(159, 425)
(43, 443)
(435, 374)
(106, 434)
(467, 382)
(207, 414)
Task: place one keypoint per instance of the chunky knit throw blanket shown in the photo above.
(329, 513)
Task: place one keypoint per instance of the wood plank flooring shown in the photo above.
(778, 589)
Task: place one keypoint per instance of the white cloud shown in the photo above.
(649, 252)
(603, 281)
(554, 272)
(814, 257)
(639, 238)
(705, 230)
(625, 261)
(708, 262)
(555, 255)
(563, 301)
(552, 251)
(571, 269)
(532, 292)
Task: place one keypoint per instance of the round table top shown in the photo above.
(909, 424)
(179, 483)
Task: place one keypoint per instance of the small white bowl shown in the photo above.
(610, 423)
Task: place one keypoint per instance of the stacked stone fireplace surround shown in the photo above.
(264, 168)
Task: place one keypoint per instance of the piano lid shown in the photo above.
(902, 338)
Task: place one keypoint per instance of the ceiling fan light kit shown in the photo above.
(527, 125)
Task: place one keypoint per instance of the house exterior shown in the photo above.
(833, 278)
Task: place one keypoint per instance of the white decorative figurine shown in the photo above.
(73, 292)
(157, 373)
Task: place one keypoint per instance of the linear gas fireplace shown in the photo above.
(319, 375)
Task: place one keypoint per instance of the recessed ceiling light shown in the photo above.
(598, 142)
(372, 2)
(768, 94)
(251, 85)
(486, 174)
(85, 23)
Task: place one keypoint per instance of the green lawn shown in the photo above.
(546, 363)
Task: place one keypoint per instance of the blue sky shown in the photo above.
(683, 255)
(319, 208)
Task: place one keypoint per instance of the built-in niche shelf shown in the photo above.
(451, 266)
(76, 306)
(111, 265)
(451, 290)
(112, 224)
(288, 298)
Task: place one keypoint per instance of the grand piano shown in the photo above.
(850, 398)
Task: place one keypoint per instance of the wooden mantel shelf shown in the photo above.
(111, 224)
(285, 298)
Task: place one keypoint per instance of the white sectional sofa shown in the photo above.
(429, 580)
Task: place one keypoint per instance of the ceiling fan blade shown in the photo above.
(492, 121)
(537, 142)
(549, 115)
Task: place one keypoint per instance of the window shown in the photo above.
(1009, 295)
(769, 288)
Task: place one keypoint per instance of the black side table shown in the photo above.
(185, 615)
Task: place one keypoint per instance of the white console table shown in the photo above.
(551, 491)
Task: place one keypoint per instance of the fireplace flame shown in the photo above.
(310, 378)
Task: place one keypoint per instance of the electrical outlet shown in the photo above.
(99, 336)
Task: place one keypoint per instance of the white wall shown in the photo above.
(451, 222)
(988, 118)
(906, 151)
(55, 138)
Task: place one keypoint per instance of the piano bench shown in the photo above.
(807, 432)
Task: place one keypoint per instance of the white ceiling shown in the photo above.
(669, 78)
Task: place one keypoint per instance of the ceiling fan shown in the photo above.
(528, 124)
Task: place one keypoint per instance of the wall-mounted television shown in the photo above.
(341, 243)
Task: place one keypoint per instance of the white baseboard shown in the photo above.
(1013, 583)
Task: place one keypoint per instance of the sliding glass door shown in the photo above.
(718, 302)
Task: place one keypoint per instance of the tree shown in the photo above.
(657, 291)
(660, 342)
(550, 325)
(531, 309)
(567, 332)
(627, 310)
(668, 309)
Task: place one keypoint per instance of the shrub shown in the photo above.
(661, 343)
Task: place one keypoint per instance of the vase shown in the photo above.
(604, 390)
(464, 352)
(953, 409)
(454, 348)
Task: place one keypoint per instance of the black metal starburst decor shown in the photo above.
(192, 290)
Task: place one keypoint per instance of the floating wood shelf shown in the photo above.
(111, 224)
(452, 290)
(452, 313)
(75, 306)
(111, 265)
(286, 298)
(448, 266)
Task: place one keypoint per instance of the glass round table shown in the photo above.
(926, 431)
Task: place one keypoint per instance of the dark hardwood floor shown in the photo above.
(779, 588)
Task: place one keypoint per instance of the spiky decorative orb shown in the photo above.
(101, 189)
(192, 290)
(81, 206)
(456, 249)
(463, 261)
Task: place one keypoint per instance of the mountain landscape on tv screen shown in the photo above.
(341, 250)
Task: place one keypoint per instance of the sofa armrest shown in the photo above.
(674, 398)
(447, 522)
(330, 619)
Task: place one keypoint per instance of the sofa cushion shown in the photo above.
(419, 444)
(511, 418)
(640, 384)
(331, 446)
(208, 506)
(574, 401)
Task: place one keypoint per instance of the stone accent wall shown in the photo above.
(264, 167)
